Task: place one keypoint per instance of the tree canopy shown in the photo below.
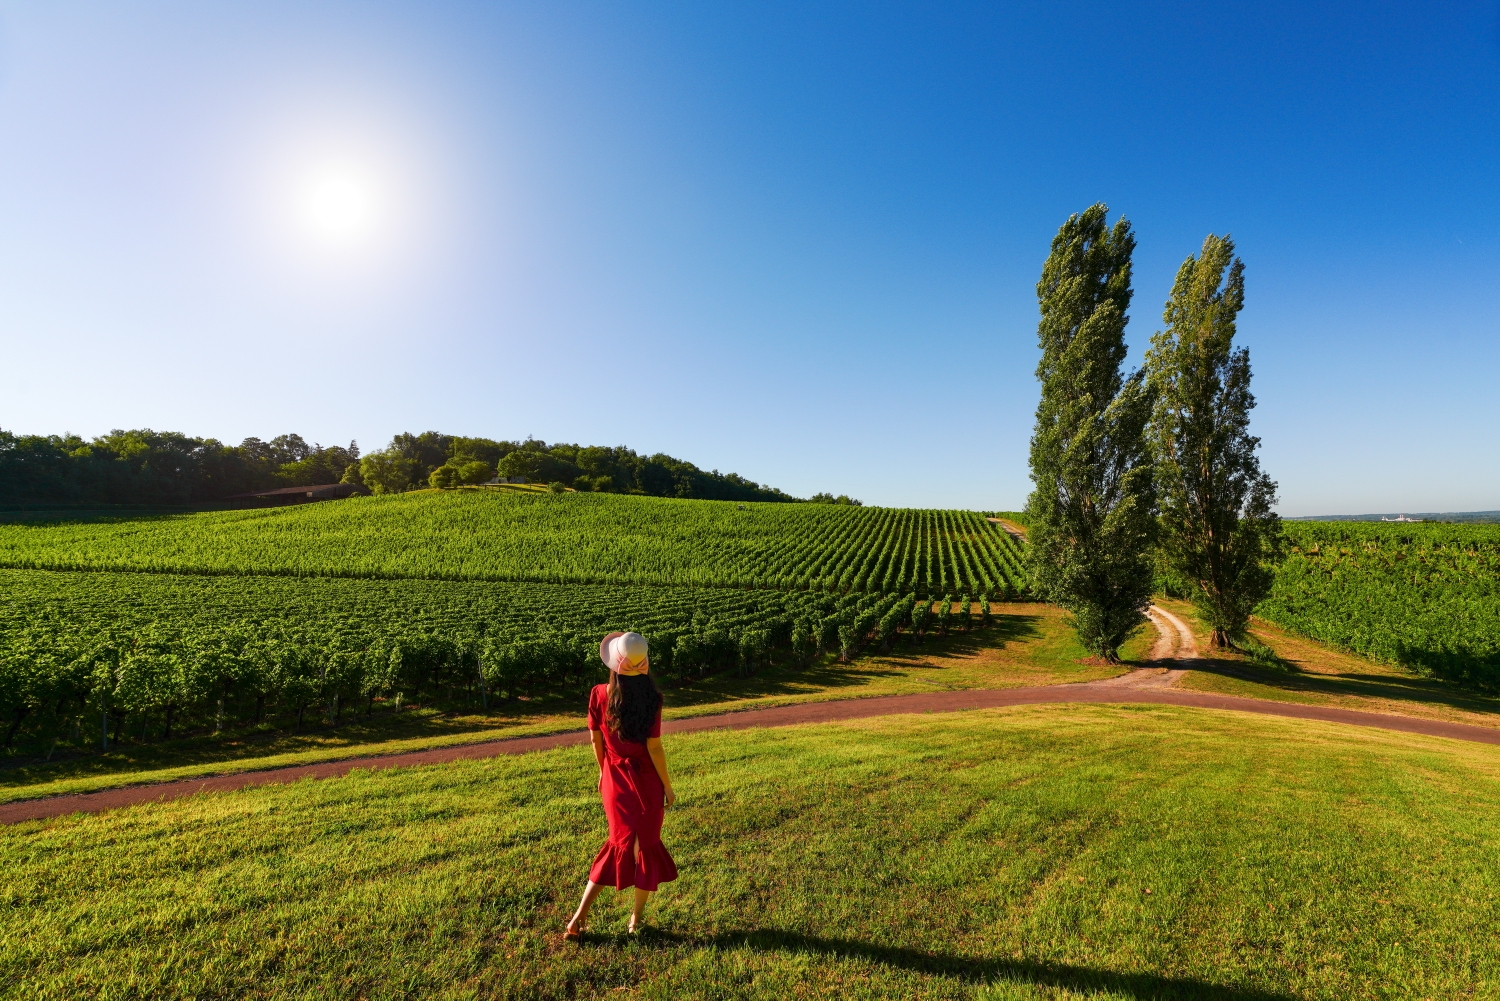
(1091, 514)
(1219, 532)
(169, 468)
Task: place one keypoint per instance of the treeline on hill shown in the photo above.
(167, 468)
(441, 460)
(158, 467)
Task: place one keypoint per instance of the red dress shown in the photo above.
(634, 802)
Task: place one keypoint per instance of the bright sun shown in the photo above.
(339, 204)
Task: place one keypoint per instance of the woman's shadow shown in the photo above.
(1142, 986)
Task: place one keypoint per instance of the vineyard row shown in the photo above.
(149, 655)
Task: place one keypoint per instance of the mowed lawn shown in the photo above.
(1039, 852)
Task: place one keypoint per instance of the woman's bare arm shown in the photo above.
(598, 738)
(659, 759)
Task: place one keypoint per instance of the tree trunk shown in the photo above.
(167, 734)
(15, 725)
(260, 706)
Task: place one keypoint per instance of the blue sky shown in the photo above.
(799, 242)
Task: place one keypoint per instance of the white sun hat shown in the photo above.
(620, 649)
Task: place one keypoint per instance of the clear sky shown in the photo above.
(799, 241)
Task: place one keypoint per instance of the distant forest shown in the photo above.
(166, 468)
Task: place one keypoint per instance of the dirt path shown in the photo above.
(1011, 528)
(1174, 642)
(1149, 685)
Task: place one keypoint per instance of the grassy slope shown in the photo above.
(1027, 646)
(1323, 675)
(1040, 852)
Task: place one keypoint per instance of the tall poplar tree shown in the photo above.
(1219, 535)
(1092, 510)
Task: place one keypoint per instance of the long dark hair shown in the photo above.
(633, 703)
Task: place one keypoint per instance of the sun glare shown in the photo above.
(339, 204)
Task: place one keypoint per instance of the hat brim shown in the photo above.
(604, 648)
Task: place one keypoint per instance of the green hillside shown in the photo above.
(549, 538)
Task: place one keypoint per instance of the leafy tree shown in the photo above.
(318, 465)
(1219, 534)
(478, 450)
(826, 498)
(537, 466)
(426, 451)
(445, 477)
(475, 472)
(386, 472)
(1091, 517)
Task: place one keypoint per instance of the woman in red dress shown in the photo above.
(625, 724)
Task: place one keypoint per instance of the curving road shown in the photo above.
(1151, 685)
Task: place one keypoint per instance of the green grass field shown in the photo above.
(1029, 645)
(1045, 852)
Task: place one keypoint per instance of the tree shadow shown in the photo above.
(871, 665)
(1411, 688)
(359, 735)
(784, 679)
(973, 969)
(51, 517)
(1004, 629)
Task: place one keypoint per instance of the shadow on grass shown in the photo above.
(364, 734)
(1006, 628)
(46, 516)
(971, 968)
(828, 674)
(1378, 686)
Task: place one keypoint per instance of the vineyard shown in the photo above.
(154, 627)
(151, 628)
(1424, 595)
(551, 539)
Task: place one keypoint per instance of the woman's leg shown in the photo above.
(581, 916)
(641, 896)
